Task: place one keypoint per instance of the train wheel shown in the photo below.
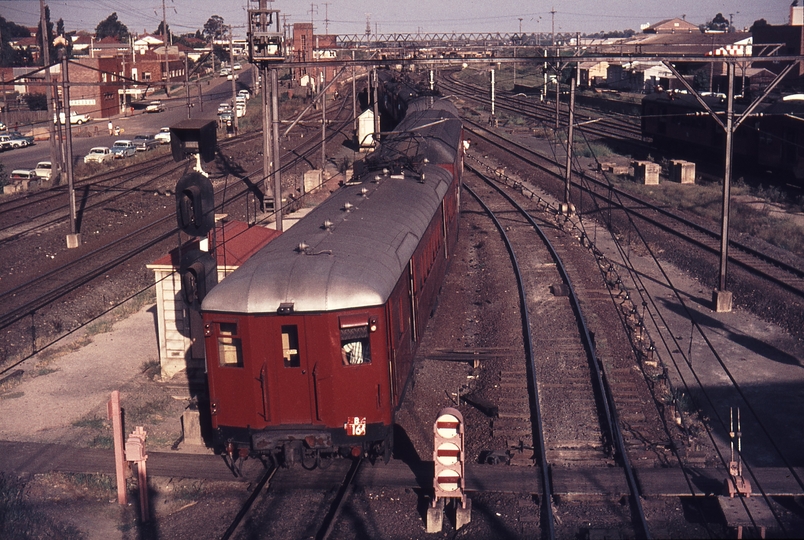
(309, 459)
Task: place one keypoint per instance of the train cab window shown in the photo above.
(355, 346)
(230, 350)
(290, 346)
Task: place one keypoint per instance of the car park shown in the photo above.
(155, 107)
(99, 154)
(143, 143)
(163, 136)
(43, 169)
(123, 148)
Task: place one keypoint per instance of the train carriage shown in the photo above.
(310, 343)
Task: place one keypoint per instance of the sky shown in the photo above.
(403, 16)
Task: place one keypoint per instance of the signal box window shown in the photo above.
(230, 350)
(290, 346)
(355, 348)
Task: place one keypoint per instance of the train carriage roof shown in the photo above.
(348, 252)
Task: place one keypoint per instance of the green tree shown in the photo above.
(111, 27)
(214, 28)
(8, 55)
(49, 40)
(718, 24)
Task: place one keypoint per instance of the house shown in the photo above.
(671, 26)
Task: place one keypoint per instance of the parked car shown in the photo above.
(123, 148)
(226, 117)
(163, 136)
(44, 169)
(143, 143)
(245, 93)
(223, 107)
(11, 141)
(225, 72)
(18, 175)
(17, 135)
(3, 127)
(99, 154)
(155, 107)
(240, 110)
(230, 76)
(75, 118)
(237, 66)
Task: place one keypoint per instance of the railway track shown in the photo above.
(563, 367)
(287, 507)
(26, 302)
(768, 267)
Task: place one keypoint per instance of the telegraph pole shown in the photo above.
(567, 208)
(55, 154)
(167, 61)
(232, 73)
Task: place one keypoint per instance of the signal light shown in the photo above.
(199, 273)
(449, 480)
(195, 204)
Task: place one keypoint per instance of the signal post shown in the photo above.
(449, 479)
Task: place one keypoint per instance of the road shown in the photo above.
(214, 91)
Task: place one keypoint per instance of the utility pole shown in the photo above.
(187, 86)
(74, 238)
(323, 121)
(553, 30)
(232, 73)
(275, 168)
(167, 60)
(567, 208)
(55, 154)
(326, 18)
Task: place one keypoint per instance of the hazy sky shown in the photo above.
(403, 16)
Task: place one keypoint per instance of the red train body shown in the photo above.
(310, 343)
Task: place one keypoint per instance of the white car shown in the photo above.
(99, 154)
(245, 93)
(75, 118)
(223, 107)
(43, 169)
(240, 110)
(163, 136)
(155, 107)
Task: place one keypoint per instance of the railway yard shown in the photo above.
(598, 387)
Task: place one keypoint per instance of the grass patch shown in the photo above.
(150, 411)
(99, 485)
(91, 423)
(21, 519)
(151, 368)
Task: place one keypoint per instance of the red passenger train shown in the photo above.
(310, 343)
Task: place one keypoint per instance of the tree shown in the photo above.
(758, 24)
(214, 28)
(718, 24)
(49, 34)
(8, 55)
(159, 32)
(111, 27)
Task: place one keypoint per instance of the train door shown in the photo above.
(229, 373)
(292, 374)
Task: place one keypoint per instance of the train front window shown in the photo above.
(230, 350)
(290, 346)
(355, 345)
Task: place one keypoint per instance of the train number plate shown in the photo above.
(355, 426)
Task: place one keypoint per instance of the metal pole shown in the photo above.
(558, 96)
(276, 165)
(376, 105)
(354, 94)
(492, 95)
(568, 175)
(187, 86)
(55, 153)
(724, 231)
(167, 60)
(69, 149)
(323, 123)
(267, 141)
(234, 82)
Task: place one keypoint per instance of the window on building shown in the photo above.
(290, 346)
(230, 349)
(146, 76)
